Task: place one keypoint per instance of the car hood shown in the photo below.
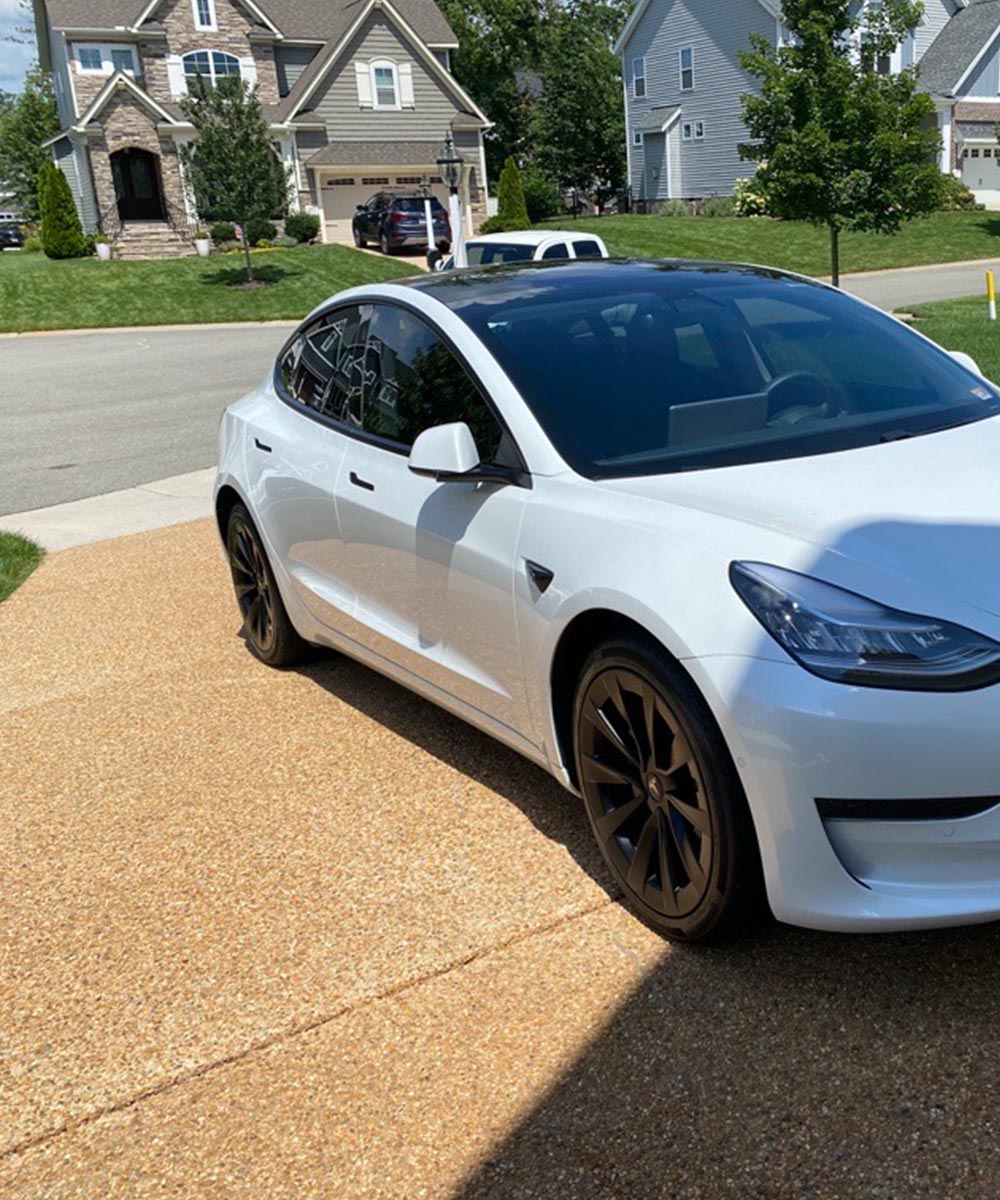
(923, 511)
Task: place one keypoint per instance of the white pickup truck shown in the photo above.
(532, 245)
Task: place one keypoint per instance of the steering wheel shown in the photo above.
(798, 396)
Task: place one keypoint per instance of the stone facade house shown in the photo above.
(684, 81)
(359, 95)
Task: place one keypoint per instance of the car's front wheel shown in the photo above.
(662, 794)
(359, 238)
(268, 632)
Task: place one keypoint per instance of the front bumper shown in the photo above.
(796, 738)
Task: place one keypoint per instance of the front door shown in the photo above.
(137, 185)
(430, 565)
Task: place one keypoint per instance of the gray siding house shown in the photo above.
(359, 95)
(683, 84)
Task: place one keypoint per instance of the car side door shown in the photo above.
(430, 564)
(296, 456)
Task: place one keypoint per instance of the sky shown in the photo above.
(14, 59)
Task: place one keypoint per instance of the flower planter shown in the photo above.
(203, 246)
(103, 251)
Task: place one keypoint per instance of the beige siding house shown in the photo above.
(359, 95)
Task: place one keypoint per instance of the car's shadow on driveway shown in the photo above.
(788, 1064)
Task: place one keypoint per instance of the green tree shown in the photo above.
(62, 234)
(233, 169)
(500, 40)
(579, 122)
(512, 213)
(839, 142)
(27, 120)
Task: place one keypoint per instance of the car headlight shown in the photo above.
(841, 636)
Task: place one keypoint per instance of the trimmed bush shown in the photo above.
(302, 226)
(223, 231)
(956, 197)
(32, 245)
(258, 230)
(512, 214)
(718, 206)
(541, 196)
(62, 233)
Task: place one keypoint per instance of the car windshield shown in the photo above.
(482, 254)
(415, 204)
(643, 368)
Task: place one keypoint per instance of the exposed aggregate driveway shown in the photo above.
(302, 935)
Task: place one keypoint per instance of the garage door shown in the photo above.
(343, 193)
(981, 168)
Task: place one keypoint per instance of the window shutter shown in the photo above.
(175, 76)
(248, 69)
(406, 85)
(363, 76)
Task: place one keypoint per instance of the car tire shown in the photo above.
(359, 238)
(666, 804)
(267, 629)
(384, 245)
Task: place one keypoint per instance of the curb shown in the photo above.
(121, 329)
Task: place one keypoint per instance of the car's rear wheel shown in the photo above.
(267, 630)
(384, 244)
(662, 794)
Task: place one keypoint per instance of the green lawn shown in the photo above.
(795, 246)
(18, 558)
(963, 325)
(36, 293)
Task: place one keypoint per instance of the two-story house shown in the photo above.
(684, 82)
(359, 95)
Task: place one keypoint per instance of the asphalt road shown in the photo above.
(82, 415)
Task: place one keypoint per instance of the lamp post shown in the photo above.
(425, 191)
(451, 165)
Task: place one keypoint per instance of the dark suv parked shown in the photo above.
(11, 237)
(395, 221)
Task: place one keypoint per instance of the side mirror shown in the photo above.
(445, 452)
(360, 208)
(965, 360)
(448, 454)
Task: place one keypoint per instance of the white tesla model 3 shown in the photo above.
(716, 546)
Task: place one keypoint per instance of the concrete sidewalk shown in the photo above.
(134, 510)
(292, 935)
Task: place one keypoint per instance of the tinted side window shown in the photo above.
(412, 381)
(587, 250)
(559, 250)
(321, 367)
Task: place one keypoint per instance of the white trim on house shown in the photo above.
(421, 48)
(121, 80)
(987, 46)
(257, 11)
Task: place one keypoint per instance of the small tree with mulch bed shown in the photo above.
(512, 212)
(62, 233)
(233, 169)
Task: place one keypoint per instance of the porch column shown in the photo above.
(945, 128)
(467, 203)
(190, 204)
(290, 161)
(318, 193)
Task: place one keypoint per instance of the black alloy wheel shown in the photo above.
(267, 628)
(384, 243)
(359, 237)
(662, 795)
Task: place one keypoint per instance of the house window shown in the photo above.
(204, 14)
(687, 131)
(210, 65)
(385, 85)
(90, 59)
(639, 78)
(987, 153)
(637, 138)
(122, 59)
(699, 131)
(375, 181)
(975, 153)
(687, 69)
